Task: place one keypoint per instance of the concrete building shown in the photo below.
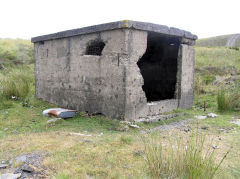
(126, 70)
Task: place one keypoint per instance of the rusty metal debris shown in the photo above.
(59, 113)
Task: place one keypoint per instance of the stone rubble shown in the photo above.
(30, 167)
(3, 166)
(158, 117)
(167, 126)
(236, 121)
(10, 176)
(134, 126)
(212, 115)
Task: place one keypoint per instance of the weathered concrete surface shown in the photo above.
(136, 102)
(186, 76)
(110, 84)
(67, 77)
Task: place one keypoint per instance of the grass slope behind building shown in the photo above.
(218, 41)
(15, 52)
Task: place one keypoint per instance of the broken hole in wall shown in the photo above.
(95, 48)
(158, 66)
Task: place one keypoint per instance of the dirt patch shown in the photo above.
(168, 126)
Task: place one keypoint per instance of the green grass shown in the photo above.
(189, 157)
(222, 101)
(15, 51)
(19, 119)
(212, 64)
(115, 154)
(126, 139)
(218, 41)
(16, 82)
(217, 61)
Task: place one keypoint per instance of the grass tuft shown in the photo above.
(230, 101)
(184, 158)
(16, 83)
(126, 140)
(222, 100)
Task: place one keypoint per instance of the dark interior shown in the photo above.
(158, 67)
(95, 48)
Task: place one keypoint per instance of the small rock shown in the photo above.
(27, 168)
(186, 130)
(200, 117)
(79, 134)
(212, 115)
(138, 153)
(15, 131)
(85, 141)
(21, 158)
(5, 129)
(125, 122)
(237, 121)
(204, 128)
(99, 135)
(134, 126)
(4, 161)
(2, 166)
(10, 176)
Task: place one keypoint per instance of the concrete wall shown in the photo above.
(110, 84)
(136, 102)
(67, 77)
(135, 97)
(186, 76)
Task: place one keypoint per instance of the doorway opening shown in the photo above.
(158, 67)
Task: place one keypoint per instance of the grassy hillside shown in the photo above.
(218, 41)
(110, 150)
(14, 52)
(217, 68)
(217, 60)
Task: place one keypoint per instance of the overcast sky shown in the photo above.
(29, 18)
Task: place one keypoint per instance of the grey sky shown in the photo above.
(29, 18)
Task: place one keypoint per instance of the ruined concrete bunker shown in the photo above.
(126, 70)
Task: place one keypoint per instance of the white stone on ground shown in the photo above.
(80, 134)
(10, 176)
(212, 115)
(200, 117)
(237, 121)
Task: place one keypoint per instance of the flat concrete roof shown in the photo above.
(125, 24)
